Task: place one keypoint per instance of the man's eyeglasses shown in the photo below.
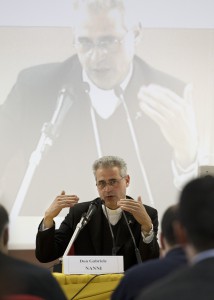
(112, 182)
(107, 43)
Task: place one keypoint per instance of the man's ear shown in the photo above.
(127, 180)
(180, 233)
(162, 243)
(137, 30)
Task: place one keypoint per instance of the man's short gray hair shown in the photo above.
(128, 9)
(109, 162)
(98, 4)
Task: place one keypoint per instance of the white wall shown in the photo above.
(155, 13)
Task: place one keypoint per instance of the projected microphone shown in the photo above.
(63, 105)
(86, 87)
(49, 131)
(114, 248)
(119, 93)
(86, 217)
(137, 252)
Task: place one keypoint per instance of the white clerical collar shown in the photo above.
(105, 102)
(114, 215)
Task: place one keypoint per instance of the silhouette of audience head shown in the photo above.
(195, 229)
(4, 231)
(168, 238)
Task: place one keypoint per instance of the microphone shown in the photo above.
(137, 252)
(114, 248)
(86, 87)
(49, 131)
(63, 105)
(118, 92)
(86, 217)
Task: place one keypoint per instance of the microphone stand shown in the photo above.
(46, 139)
(86, 217)
(79, 227)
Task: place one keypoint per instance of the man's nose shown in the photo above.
(97, 53)
(107, 187)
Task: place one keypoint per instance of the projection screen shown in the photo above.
(45, 151)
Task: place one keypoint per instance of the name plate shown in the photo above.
(92, 264)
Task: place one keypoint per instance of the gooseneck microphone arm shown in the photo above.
(119, 93)
(79, 227)
(86, 217)
(48, 133)
(137, 252)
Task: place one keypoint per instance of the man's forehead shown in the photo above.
(108, 170)
(110, 20)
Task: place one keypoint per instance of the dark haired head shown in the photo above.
(196, 212)
(4, 218)
(169, 216)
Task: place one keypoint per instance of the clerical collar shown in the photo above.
(114, 215)
(105, 102)
(113, 212)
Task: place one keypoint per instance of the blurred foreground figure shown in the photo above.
(195, 231)
(20, 277)
(141, 276)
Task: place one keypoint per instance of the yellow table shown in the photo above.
(90, 287)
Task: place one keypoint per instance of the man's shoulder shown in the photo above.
(52, 69)
(151, 75)
(156, 267)
(167, 286)
(151, 210)
(84, 205)
(24, 267)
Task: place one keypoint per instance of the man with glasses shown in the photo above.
(109, 101)
(107, 233)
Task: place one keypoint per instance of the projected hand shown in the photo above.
(57, 205)
(175, 117)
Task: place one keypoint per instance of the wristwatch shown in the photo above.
(146, 233)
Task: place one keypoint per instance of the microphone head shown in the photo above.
(86, 87)
(118, 91)
(91, 210)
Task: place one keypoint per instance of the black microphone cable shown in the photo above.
(137, 252)
(114, 248)
(87, 283)
(120, 94)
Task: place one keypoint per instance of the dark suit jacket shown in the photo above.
(141, 276)
(51, 244)
(32, 102)
(19, 277)
(192, 282)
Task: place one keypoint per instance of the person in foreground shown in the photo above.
(20, 277)
(195, 231)
(96, 238)
(140, 276)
